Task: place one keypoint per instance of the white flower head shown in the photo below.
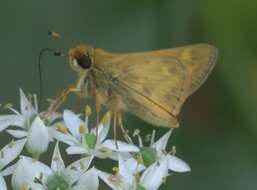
(37, 135)
(10, 152)
(29, 124)
(22, 118)
(174, 163)
(139, 167)
(7, 155)
(26, 170)
(38, 138)
(82, 140)
(124, 179)
(156, 152)
(73, 177)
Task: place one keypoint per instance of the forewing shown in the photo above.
(159, 79)
(199, 61)
(164, 77)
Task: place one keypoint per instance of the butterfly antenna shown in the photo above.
(42, 52)
(59, 36)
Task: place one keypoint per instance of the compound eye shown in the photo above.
(84, 62)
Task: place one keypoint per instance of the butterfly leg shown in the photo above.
(97, 109)
(115, 105)
(115, 128)
(123, 129)
(62, 97)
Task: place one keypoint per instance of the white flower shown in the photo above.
(10, 152)
(38, 138)
(156, 152)
(7, 155)
(26, 170)
(31, 127)
(36, 175)
(22, 119)
(81, 140)
(175, 164)
(150, 179)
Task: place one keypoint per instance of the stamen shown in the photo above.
(54, 34)
(83, 129)
(88, 111)
(148, 138)
(106, 119)
(7, 106)
(115, 169)
(24, 187)
(137, 177)
(82, 166)
(153, 137)
(173, 150)
(60, 127)
(1, 154)
(136, 133)
(35, 102)
(10, 145)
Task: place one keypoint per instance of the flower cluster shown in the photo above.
(139, 167)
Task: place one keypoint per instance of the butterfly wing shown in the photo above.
(154, 85)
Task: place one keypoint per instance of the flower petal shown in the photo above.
(79, 187)
(66, 138)
(102, 132)
(133, 166)
(76, 150)
(27, 110)
(11, 151)
(57, 164)
(74, 171)
(109, 179)
(9, 170)
(153, 176)
(72, 122)
(26, 171)
(17, 133)
(103, 152)
(162, 142)
(125, 173)
(89, 180)
(36, 186)
(178, 165)
(10, 120)
(103, 127)
(38, 137)
(2, 183)
(122, 146)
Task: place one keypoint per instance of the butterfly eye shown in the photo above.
(84, 61)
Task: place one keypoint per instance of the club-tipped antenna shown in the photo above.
(59, 36)
(42, 52)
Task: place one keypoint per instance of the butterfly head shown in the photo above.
(81, 58)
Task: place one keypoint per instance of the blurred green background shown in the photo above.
(218, 129)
